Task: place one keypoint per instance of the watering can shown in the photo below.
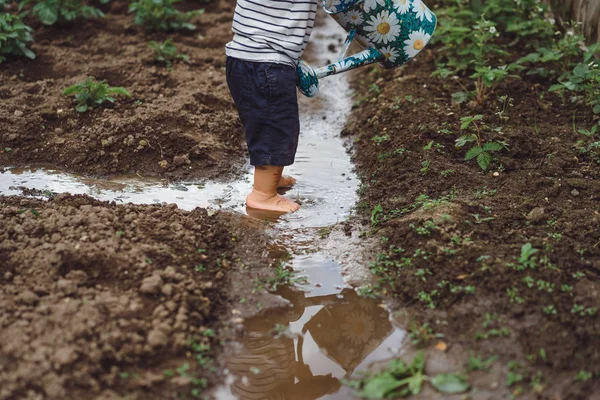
(391, 32)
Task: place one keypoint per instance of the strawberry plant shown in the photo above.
(166, 52)
(480, 150)
(162, 15)
(583, 81)
(14, 36)
(51, 12)
(91, 93)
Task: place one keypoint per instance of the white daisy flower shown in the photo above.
(369, 5)
(402, 6)
(422, 11)
(390, 53)
(383, 28)
(415, 42)
(354, 18)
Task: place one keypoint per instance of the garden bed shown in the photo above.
(503, 262)
(102, 300)
(178, 123)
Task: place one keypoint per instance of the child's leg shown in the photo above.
(264, 192)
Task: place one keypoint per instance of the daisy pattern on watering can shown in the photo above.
(391, 32)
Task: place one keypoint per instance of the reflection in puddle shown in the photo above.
(304, 351)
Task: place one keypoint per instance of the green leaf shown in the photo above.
(556, 87)
(463, 140)
(71, 89)
(449, 383)
(492, 146)
(484, 159)
(473, 152)
(380, 385)
(47, 14)
(82, 107)
(418, 362)
(119, 90)
(415, 383)
(460, 97)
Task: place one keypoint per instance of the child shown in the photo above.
(269, 38)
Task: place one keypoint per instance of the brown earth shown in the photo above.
(544, 192)
(178, 123)
(109, 301)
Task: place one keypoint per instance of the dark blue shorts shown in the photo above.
(266, 100)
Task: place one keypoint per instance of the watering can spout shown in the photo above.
(392, 32)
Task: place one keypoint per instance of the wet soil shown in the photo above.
(451, 259)
(102, 300)
(179, 123)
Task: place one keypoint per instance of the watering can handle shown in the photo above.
(308, 78)
(347, 43)
(344, 63)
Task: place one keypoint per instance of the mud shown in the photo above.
(459, 275)
(179, 123)
(101, 300)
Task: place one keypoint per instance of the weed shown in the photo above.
(589, 145)
(527, 258)
(513, 295)
(161, 15)
(14, 36)
(425, 229)
(367, 292)
(401, 380)
(421, 334)
(284, 276)
(583, 376)
(550, 310)
(427, 298)
(483, 192)
(376, 214)
(379, 139)
(166, 52)
(91, 93)
(478, 364)
(583, 311)
(51, 12)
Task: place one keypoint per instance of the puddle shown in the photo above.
(330, 333)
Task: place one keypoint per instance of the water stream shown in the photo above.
(330, 333)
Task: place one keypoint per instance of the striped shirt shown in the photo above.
(271, 30)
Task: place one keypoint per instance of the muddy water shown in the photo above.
(330, 333)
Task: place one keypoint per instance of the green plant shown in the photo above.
(166, 52)
(284, 276)
(421, 334)
(590, 144)
(583, 376)
(379, 139)
(527, 259)
(51, 12)
(583, 81)
(14, 36)
(376, 214)
(162, 15)
(481, 151)
(91, 93)
(478, 364)
(401, 380)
